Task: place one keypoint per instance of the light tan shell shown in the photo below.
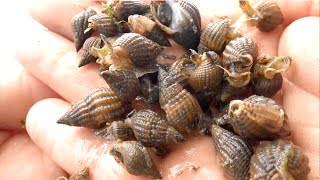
(93, 111)
(122, 9)
(259, 118)
(279, 159)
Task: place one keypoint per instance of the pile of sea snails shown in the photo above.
(221, 87)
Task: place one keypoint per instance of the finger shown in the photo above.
(22, 159)
(73, 148)
(303, 111)
(18, 92)
(301, 42)
(51, 59)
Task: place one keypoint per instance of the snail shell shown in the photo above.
(279, 159)
(87, 57)
(164, 13)
(150, 87)
(79, 24)
(122, 9)
(81, 175)
(124, 83)
(117, 130)
(153, 131)
(148, 28)
(135, 158)
(266, 15)
(207, 76)
(215, 36)
(234, 153)
(141, 50)
(263, 86)
(98, 107)
(228, 92)
(258, 118)
(104, 24)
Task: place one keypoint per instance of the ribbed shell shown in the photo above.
(140, 49)
(202, 48)
(117, 130)
(279, 160)
(104, 24)
(269, 15)
(266, 87)
(181, 107)
(186, 22)
(153, 131)
(234, 153)
(124, 83)
(237, 50)
(214, 36)
(207, 76)
(146, 27)
(94, 110)
(228, 93)
(135, 158)
(122, 9)
(259, 118)
(86, 56)
(79, 24)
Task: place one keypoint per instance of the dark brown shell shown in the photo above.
(279, 160)
(104, 24)
(124, 83)
(207, 76)
(93, 111)
(228, 92)
(258, 118)
(214, 36)
(150, 87)
(141, 50)
(147, 28)
(122, 9)
(263, 86)
(87, 57)
(135, 158)
(79, 24)
(234, 153)
(164, 13)
(117, 130)
(153, 131)
(81, 175)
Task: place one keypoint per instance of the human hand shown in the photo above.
(49, 56)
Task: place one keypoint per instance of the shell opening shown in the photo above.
(234, 108)
(117, 155)
(239, 79)
(156, 20)
(278, 65)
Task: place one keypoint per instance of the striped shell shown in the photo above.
(135, 158)
(87, 57)
(207, 76)
(117, 130)
(146, 27)
(79, 24)
(122, 9)
(93, 111)
(141, 50)
(263, 86)
(258, 118)
(124, 83)
(279, 160)
(104, 24)
(234, 153)
(215, 36)
(153, 131)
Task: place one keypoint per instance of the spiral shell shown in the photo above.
(228, 92)
(234, 153)
(215, 36)
(124, 83)
(117, 130)
(104, 24)
(279, 160)
(93, 111)
(266, 87)
(146, 27)
(122, 9)
(79, 24)
(141, 50)
(87, 57)
(207, 76)
(135, 158)
(258, 118)
(266, 15)
(153, 131)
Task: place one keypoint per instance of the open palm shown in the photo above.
(47, 150)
